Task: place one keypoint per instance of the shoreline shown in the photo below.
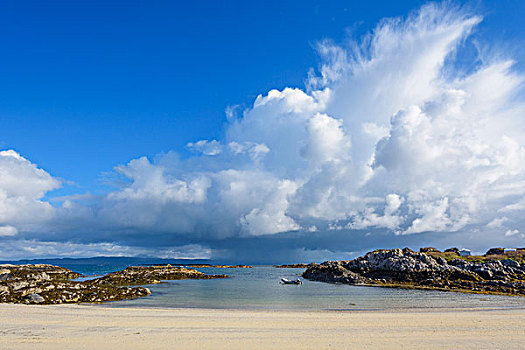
(409, 286)
(109, 305)
(88, 326)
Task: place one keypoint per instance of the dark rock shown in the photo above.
(484, 273)
(441, 261)
(453, 250)
(494, 251)
(511, 263)
(429, 249)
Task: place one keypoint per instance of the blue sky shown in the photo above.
(87, 86)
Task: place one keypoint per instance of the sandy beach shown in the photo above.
(99, 327)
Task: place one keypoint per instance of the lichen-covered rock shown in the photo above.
(37, 272)
(409, 269)
(6, 275)
(47, 284)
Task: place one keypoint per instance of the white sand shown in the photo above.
(99, 327)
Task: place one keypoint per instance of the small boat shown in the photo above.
(287, 281)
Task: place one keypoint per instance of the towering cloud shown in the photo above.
(391, 137)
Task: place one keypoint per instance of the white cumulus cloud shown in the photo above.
(209, 148)
(22, 186)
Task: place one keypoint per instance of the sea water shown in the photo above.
(260, 288)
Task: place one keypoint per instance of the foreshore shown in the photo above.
(101, 327)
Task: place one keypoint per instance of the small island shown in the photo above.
(221, 266)
(291, 266)
(48, 284)
(497, 272)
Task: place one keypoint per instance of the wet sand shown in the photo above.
(100, 327)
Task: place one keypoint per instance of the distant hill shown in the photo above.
(105, 260)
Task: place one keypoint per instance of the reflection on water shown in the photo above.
(259, 288)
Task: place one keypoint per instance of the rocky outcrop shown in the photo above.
(494, 251)
(47, 284)
(428, 249)
(140, 275)
(408, 269)
(453, 250)
(291, 266)
(36, 272)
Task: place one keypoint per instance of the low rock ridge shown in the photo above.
(291, 266)
(139, 275)
(48, 284)
(408, 269)
(222, 266)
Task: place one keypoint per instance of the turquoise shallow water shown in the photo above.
(259, 288)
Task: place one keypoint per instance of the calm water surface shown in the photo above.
(259, 288)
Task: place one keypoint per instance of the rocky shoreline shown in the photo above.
(48, 284)
(405, 268)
